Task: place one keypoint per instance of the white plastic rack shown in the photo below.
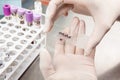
(20, 44)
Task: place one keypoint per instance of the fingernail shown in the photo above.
(66, 14)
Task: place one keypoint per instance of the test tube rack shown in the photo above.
(21, 39)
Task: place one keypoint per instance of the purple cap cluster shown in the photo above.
(7, 10)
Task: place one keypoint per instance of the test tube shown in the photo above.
(20, 14)
(6, 11)
(29, 18)
(14, 12)
(37, 20)
(37, 25)
(38, 6)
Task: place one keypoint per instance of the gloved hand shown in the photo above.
(104, 13)
(69, 62)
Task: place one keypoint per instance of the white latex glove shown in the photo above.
(69, 62)
(104, 12)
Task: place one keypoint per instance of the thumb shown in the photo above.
(50, 13)
(97, 35)
(46, 63)
(50, 19)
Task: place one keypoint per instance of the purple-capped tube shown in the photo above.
(14, 13)
(37, 18)
(21, 13)
(13, 10)
(29, 18)
(6, 11)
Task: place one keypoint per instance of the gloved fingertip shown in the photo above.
(87, 52)
(43, 50)
(45, 30)
(48, 26)
(66, 14)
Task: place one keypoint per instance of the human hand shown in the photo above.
(69, 62)
(104, 13)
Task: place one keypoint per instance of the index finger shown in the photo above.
(50, 13)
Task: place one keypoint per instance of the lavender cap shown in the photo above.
(29, 16)
(21, 11)
(37, 17)
(6, 10)
(13, 9)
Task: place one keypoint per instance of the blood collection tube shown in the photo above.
(20, 14)
(14, 12)
(37, 20)
(29, 18)
(6, 11)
